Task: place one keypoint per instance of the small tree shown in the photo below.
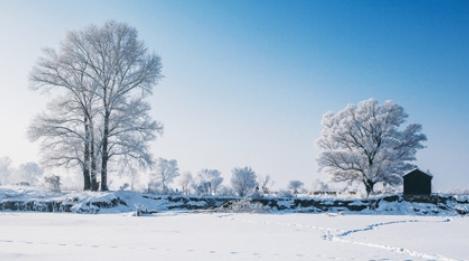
(53, 182)
(243, 181)
(225, 191)
(265, 183)
(28, 173)
(5, 169)
(185, 182)
(166, 171)
(208, 181)
(295, 186)
(364, 143)
(320, 187)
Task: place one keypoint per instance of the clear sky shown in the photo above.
(246, 82)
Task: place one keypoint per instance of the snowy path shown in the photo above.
(373, 226)
(426, 238)
(401, 250)
(35, 236)
(340, 237)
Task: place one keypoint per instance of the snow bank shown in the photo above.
(34, 199)
(14, 198)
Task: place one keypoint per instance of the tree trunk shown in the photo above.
(94, 183)
(369, 187)
(86, 158)
(105, 153)
(86, 178)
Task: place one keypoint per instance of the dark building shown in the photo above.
(417, 182)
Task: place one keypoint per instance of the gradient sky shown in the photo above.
(246, 82)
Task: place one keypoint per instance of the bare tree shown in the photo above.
(320, 187)
(265, 183)
(119, 64)
(208, 181)
(64, 71)
(28, 173)
(5, 169)
(166, 171)
(185, 182)
(129, 168)
(243, 181)
(53, 182)
(295, 186)
(99, 70)
(364, 143)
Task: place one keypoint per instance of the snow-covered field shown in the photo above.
(226, 236)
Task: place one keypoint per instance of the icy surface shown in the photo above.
(218, 236)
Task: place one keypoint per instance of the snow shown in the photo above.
(233, 236)
(224, 228)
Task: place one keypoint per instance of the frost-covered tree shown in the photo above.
(166, 172)
(320, 187)
(365, 143)
(225, 191)
(72, 113)
(28, 173)
(265, 183)
(104, 72)
(243, 181)
(185, 182)
(53, 182)
(208, 181)
(5, 169)
(199, 186)
(128, 170)
(120, 65)
(295, 186)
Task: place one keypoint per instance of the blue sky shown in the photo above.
(246, 82)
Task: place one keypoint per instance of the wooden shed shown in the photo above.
(417, 182)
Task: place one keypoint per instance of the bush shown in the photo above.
(53, 183)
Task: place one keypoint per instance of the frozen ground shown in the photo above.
(218, 236)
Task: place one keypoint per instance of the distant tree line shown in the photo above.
(244, 182)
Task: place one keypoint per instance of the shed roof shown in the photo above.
(419, 170)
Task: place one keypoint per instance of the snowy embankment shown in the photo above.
(33, 199)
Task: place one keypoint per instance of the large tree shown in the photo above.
(365, 143)
(106, 70)
(120, 64)
(61, 70)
